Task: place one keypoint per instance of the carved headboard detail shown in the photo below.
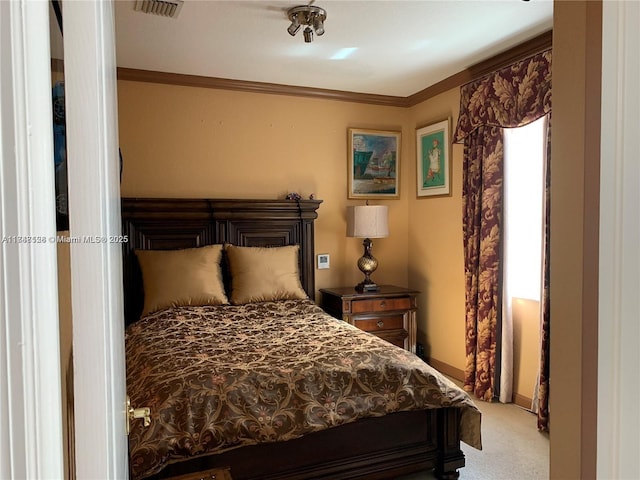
(165, 224)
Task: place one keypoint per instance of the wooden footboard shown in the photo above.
(372, 449)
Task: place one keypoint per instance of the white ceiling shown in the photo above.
(400, 47)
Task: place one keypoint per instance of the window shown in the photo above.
(524, 158)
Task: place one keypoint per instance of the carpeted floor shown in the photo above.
(512, 447)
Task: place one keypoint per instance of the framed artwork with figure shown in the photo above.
(373, 164)
(433, 159)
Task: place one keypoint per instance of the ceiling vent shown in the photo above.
(164, 8)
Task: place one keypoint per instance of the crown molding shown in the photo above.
(535, 45)
(531, 47)
(135, 75)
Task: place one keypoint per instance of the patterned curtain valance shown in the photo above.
(510, 97)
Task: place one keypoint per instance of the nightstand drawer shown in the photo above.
(397, 337)
(389, 312)
(380, 305)
(393, 322)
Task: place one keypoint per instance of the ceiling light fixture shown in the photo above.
(312, 17)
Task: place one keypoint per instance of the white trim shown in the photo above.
(30, 401)
(96, 268)
(619, 282)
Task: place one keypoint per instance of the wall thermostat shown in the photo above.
(323, 261)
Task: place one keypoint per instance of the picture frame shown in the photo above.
(374, 164)
(433, 159)
(60, 157)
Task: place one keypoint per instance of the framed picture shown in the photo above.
(374, 164)
(60, 157)
(434, 159)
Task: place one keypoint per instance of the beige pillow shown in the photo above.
(173, 278)
(262, 274)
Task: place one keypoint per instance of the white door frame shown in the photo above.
(619, 282)
(96, 266)
(30, 401)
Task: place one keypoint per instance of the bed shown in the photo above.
(208, 372)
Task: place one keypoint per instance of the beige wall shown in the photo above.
(526, 348)
(66, 338)
(436, 265)
(197, 142)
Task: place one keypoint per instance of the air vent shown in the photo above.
(164, 8)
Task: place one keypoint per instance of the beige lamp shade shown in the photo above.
(368, 221)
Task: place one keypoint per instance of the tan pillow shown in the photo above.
(173, 278)
(262, 274)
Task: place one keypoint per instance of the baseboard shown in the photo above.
(447, 369)
(458, 374)
(522, 401)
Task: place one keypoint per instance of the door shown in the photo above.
(96, 260)
(30, 406)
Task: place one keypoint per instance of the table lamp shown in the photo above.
(367, 221)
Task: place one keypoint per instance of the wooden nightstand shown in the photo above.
(389, 313)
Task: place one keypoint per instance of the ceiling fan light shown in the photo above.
(318, 26)
(308, 35)
(309, 16)
(293, 28)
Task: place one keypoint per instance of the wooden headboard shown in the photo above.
(166, 224)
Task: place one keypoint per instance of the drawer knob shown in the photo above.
(380, 324)
(383, 304)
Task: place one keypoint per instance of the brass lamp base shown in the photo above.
(367, 264)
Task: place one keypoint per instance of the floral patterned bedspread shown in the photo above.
(221, 377)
